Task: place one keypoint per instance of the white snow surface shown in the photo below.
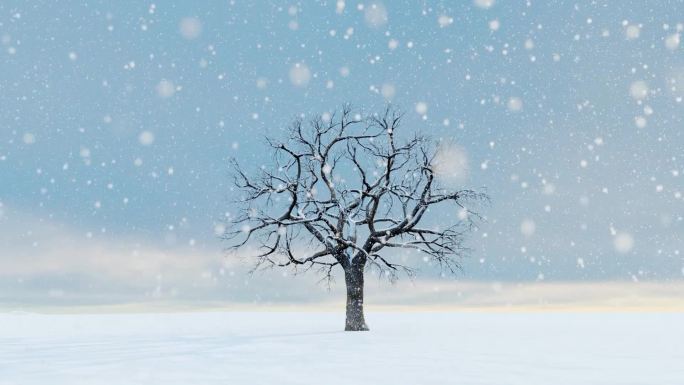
(310, 348)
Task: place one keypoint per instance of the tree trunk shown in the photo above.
(353, 277)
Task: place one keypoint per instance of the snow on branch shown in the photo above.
(343, 190)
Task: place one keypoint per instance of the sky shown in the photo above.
(118, 120)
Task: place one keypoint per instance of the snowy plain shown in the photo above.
(310, 348)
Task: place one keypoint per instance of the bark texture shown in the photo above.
(355, 317)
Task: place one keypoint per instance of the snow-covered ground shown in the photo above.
(310, 348)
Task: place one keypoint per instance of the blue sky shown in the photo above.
(117, 120)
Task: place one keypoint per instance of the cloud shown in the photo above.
(48, 258)
(45, 263)
(42, 247)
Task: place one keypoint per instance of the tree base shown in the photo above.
(351, 328)
(356, 324)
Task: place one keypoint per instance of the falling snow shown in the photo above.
(568, 114)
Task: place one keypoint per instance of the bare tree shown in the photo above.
(345, 191)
